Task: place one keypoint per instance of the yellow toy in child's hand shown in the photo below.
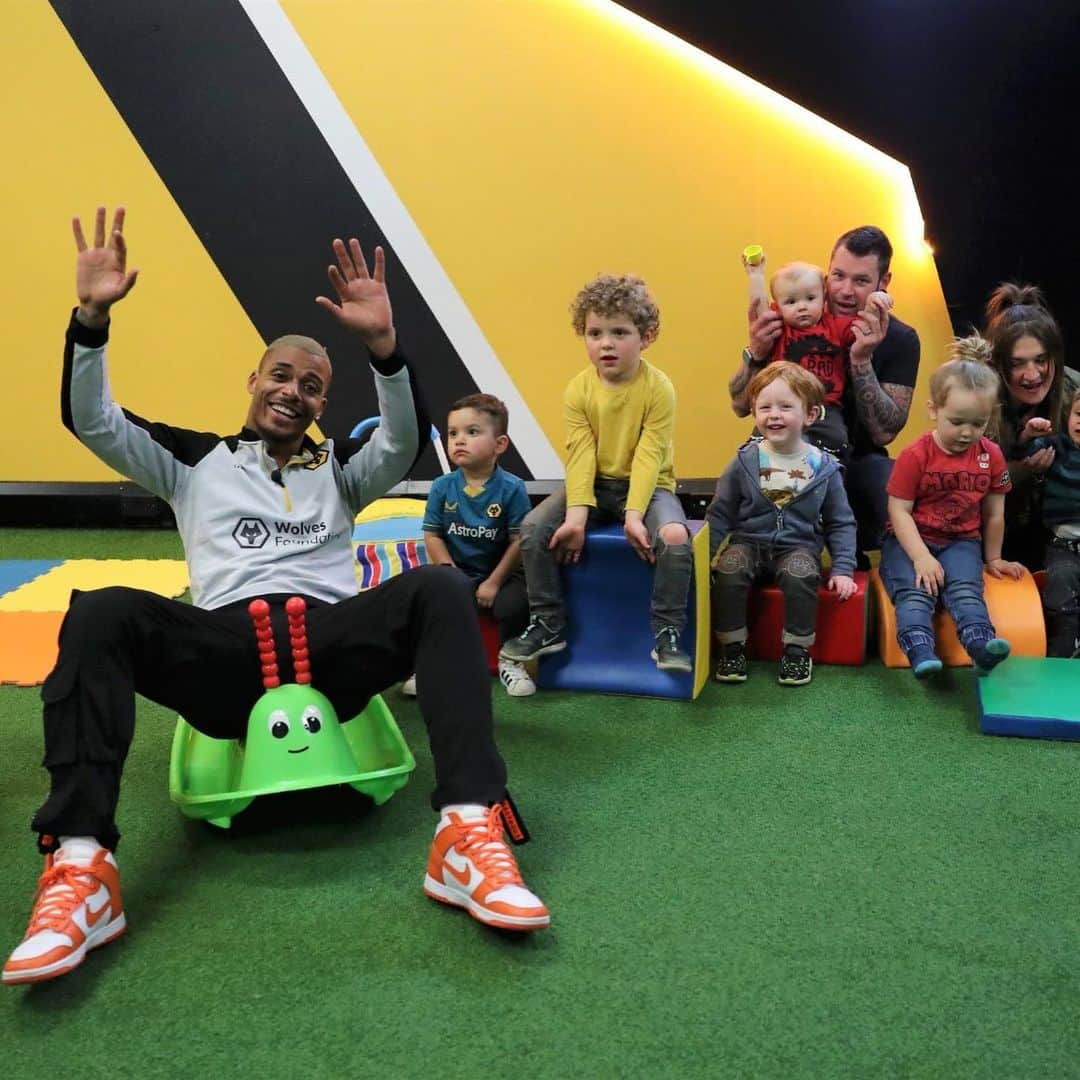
(753, 255)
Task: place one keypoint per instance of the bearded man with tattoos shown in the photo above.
(884, 364)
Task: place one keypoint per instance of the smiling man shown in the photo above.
(883, 368)
(267, 513)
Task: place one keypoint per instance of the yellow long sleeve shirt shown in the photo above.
(619, 431)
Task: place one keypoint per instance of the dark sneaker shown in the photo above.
(795, 666)
(990, 655)
(668, 655)
(538, 640)
(732, 665)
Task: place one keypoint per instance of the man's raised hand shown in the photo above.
(364, 304)
(101, 273)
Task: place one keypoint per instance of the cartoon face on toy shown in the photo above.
(294, 730)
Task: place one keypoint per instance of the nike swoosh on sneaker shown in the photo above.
(93, 918)
(463, 877)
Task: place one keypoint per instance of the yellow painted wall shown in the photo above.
(182, 342)
(535, 144)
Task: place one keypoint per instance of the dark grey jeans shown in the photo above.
(674, 562)
(1061, 600)
(797, 573)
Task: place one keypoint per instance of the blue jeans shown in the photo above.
(962, 594)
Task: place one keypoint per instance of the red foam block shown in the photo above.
(489, 631)
(841, 624)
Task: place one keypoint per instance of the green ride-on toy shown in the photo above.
(294, 741)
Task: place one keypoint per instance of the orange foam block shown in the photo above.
(1015, 610)
(28, 645)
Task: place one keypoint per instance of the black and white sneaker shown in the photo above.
(732, 666)
(668, 655)
(538, 640)
(795, 666)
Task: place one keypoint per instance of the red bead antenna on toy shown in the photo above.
(259, 610)
(295, 607)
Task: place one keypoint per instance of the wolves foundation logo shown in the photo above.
(251, 532)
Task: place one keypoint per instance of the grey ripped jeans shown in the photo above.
(674, 562)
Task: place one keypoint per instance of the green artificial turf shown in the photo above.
(843, 879)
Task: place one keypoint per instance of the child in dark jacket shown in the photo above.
(778, 504)
(1061, 516)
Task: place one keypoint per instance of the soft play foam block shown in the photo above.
(388, 539)
(1015, 609)
(840, 634)
(609, 637)
(1034, 697)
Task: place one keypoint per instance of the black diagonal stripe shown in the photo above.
(247, 166)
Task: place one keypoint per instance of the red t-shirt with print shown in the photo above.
(947, 489)
(822, 350)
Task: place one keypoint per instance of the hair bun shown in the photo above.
(974, 348)
(1013, 294)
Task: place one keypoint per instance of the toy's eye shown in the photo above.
(278, 723)
(312, 719)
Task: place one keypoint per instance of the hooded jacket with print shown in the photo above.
(818, 516)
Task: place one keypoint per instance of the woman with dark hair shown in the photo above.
(1029, 355)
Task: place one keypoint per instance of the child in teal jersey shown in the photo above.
(472, 519)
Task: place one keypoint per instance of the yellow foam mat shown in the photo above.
(52, 591)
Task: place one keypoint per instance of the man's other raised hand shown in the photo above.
(364, 304)
(101, 273)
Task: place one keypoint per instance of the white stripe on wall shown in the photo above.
(402, 233)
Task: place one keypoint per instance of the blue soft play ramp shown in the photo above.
(608, 633)
(1033, 697)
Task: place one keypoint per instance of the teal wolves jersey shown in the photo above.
(477, 525)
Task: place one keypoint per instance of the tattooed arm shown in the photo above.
(881, 408)
(738, 383)
(765, 331)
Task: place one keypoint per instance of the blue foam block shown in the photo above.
(1032, 697)
(16, 572)
(609, 637)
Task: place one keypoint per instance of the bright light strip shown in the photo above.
(735, 80)
(913, 227)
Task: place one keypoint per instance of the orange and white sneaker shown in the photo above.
(471, 867)
(77, 908)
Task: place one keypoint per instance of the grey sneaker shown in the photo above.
(668, 655)
(732, 665)
(795, 666)
(538, 640)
